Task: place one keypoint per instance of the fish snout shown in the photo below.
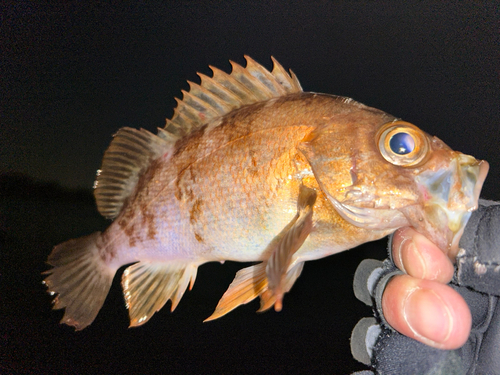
(451, 194)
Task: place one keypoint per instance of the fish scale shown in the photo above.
(213, 221)
(250, 168)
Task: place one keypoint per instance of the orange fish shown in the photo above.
(251, 168)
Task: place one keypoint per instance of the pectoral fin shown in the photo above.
(271, 279)
(290, 241)
(268, 298)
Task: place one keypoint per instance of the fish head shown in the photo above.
(446, 183)
(381, 173)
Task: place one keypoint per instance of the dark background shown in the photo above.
(71, 75)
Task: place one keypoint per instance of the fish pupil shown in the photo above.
(402, 143)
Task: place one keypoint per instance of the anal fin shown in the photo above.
(147, 286)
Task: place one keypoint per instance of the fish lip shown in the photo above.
(484, 167)
(481, 177)
(452, 194)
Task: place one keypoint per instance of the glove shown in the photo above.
(476, 279)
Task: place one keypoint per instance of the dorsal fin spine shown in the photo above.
(201, 106)
(168, 136)
(186, 110)
(265, 77)
(216, 102)
(223, 92)
(215, 87)
(230, 83)
(258, 89)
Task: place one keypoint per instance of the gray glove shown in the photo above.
(476, 279)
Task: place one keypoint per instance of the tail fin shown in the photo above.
(80, 278)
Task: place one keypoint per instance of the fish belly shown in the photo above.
(201, 231)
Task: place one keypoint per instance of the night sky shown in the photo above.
(71, 75)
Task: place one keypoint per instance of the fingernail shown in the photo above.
(428, 316)
(414, 263)
(401, 264)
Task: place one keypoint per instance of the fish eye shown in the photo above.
(402, 143)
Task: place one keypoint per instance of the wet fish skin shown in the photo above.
(232, 176)
(253, 197)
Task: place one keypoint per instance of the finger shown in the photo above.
(414, 254)
(428, 311)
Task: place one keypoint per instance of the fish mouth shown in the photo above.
(450, 196)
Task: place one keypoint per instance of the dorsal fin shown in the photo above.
(126, 158)
(131, 150)
(223, 93)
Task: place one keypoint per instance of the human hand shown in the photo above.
(409, 294)
(419, 304)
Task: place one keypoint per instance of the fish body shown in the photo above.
(250, 168)
(198, 205)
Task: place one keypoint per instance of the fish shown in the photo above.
(250, 168)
